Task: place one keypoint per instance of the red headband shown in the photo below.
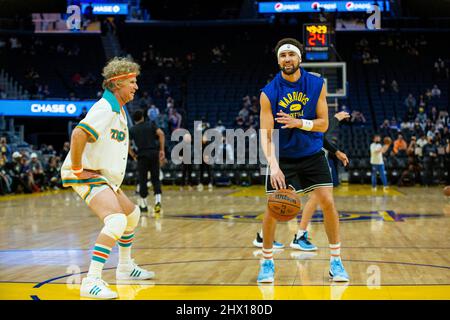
(122, 76)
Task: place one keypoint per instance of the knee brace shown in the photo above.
(115, 225)
(133, 219)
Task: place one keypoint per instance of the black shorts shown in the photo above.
(304, 174)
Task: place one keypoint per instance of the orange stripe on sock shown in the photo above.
(100, 254)
(335, 255)
(125, 241)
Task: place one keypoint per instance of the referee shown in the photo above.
(149, 140)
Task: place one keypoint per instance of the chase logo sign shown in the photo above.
(106, 8)
(53, 108)
(43, 108)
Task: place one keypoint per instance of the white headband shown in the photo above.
(289, 47)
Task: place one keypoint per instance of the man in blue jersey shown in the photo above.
(294, 102)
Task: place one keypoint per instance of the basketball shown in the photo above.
(447, 191)
(387, 140)
(284, 205)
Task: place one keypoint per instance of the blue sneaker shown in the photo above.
(258, 242)
(337, 271)
(266, 271)
(303, 243)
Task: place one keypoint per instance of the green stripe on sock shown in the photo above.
(128, 237)
(124, 244)
(98, 259)
(96, 248)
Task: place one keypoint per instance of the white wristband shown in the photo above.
(307, 125)
(77, 171)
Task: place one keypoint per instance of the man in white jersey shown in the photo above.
(95, 168)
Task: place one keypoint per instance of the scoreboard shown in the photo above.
(316, 41)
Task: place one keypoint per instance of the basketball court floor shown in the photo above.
(395, 245)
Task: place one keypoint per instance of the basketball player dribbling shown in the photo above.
(294, 102)
(95, 168)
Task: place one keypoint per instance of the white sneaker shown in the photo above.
(132, 271)
(96, 288)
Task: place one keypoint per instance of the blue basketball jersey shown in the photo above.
(299, 100)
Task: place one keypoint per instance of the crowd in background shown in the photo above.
(30, 171)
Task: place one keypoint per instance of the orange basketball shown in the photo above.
(387, 140)
(447, 191)
(284, 205)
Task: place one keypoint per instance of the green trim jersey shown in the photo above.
(107, 148)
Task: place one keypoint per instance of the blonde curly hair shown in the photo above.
(118, 66)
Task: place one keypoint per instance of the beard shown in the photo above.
(292, 71)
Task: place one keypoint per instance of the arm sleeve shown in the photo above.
(96, 122)
(333, 123)
(329, 146)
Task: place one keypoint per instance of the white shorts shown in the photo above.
(88, 191)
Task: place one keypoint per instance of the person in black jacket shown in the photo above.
(149, 140)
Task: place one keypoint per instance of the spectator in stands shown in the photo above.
(408, 177)
(220, 127)
(431, 132)
(428, 95)
(65, 150)
(52, 173)
(422, 103)
(394, 86)
(244, 112)
(400, 146)
(162, 121)
(410, 101)
(153, 113)
(421, 142)
(444, 117)
(434, 115)
(385, 128)
(5, 150)
(145, 100)
(224, 155)
(430, 154)
(254, 110)
(435, 92)
(5, 179)
(412, 146)
(19, 174)
(239, 123)
(358, 118)
(48, 150)
(383, 86)
(37, 172)
(377, 162)
(410, 115)
(394, 125)
(174, 119)
(447, 160)
(422, 116)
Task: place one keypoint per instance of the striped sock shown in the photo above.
(99, 256)
(125, 243)
(335, 251)
(267, 254)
